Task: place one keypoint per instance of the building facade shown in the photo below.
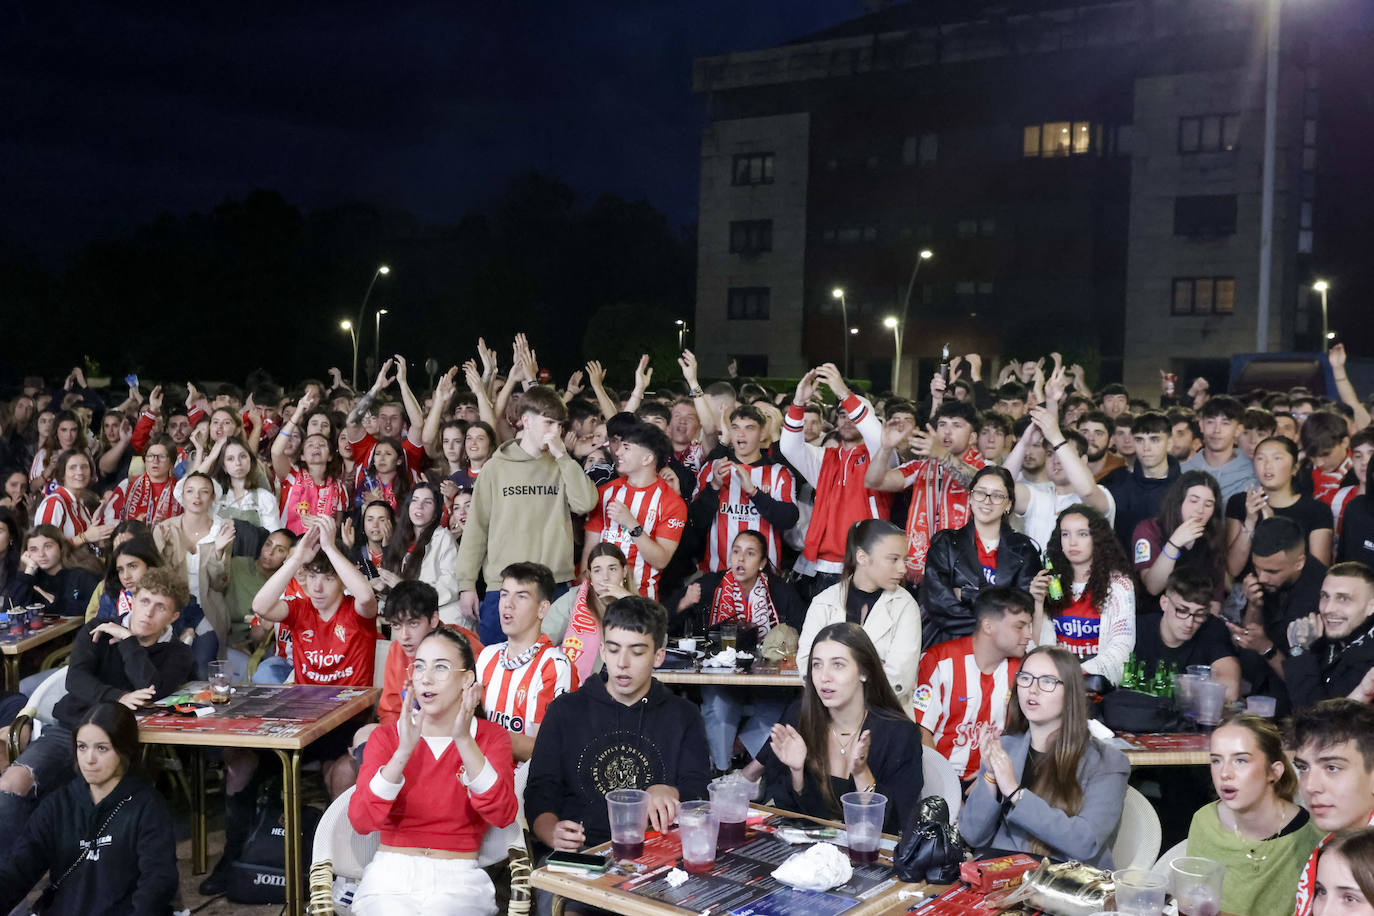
(1087, 176)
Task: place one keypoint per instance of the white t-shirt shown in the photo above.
(1044, 506)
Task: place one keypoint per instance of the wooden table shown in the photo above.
(601, 891)
(14, 647)
(1166, 750)
(282, 718)
(728, 677)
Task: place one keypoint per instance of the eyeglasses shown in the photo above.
(1196, 617)
(440, 671)
(1048, 682)
(987, 496)
(154, 456)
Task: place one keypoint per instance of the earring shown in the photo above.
(863, 680)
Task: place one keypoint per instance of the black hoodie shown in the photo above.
(1137, 497)
(128, 869)
(1330, 667)
(590, 744)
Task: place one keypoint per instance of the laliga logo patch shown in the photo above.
(1142, 550)
(923, 696)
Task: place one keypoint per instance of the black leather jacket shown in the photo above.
(954, 577)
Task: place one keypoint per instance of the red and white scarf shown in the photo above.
(730, 603)
(307, 497)
(583, 637)
(1326, 483)
(938, 501)
(140, 502)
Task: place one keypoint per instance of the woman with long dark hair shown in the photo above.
(1046, 786)
(433, 803)
(479, 444)
(1189, 533)
(11, 546)
(68, 506)
(871, 593)
(849, 733)
(54, 573)
(985, 551)
(128, 562)
(1276, 468)
(64, 434)
(1093, 615)
(314, 488)
(386, 476)
(245, 492)
(421, 548)
(106, 840)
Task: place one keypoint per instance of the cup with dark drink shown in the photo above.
(629, 814)
(1196, 884)
(221, 682)
(699, 830)
(730, 798)
(863, 823)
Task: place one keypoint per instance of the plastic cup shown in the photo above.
(698, 830)
(1262, 706)
(1208, 702)
(1139, 892)
(629, 814)
(687, 645)
(221, 682)
(730, 797)
(863, 822)
(1203, 671)
(729, 632)
(1196, 885)
(1185, 692)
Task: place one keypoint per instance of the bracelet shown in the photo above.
(696, 393)
(991, 780)
(1165, 550)
(1055, 448)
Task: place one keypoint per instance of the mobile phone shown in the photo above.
(582, 861)
(944, 361)
(131, 380)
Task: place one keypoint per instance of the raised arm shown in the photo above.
(268, 603)
(353, 426)
(414, 415)
(880, 475)
(643, 374)
(443, 395)
(364, 601)
(1336, 357)
(596, 377)
(485, 410)
(803, 456)
(710, 431)
(282, 461)
(1075, 468)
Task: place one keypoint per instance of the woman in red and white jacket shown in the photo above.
(432, 804)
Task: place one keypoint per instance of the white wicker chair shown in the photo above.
(1138, 835)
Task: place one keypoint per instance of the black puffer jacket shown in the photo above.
(954, 577)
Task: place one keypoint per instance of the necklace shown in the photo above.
(844, 745)
(1277, 818)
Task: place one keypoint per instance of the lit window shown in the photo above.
(1030, 141)
(753, 168)
(1082, 138)
(1056, 139)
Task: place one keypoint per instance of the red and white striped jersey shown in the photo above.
(657, 507)
(693, 456)
(737, 512)
(516, 698)
(63, 509)
(954, 699)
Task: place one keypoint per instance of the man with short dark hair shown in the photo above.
(1332, 745)
(1115, 399)
(132, 662)
(965, 684)
(994, 430)
(1123, 438)
(1256, 425)
(638, 511)
(522, 509)
(1354, 509)
(1220, 421)
(813, 424)
(1185, 437)
(1140, 490)
(1068, 478)
(1097, 430)
(1330, 651)
(1011, 400)
(626, 731)
(1183, 632)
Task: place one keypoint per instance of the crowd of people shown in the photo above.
(946, 572)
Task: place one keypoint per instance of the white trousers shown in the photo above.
(399, 885)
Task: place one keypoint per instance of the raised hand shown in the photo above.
(1056, 385)
(473, 378)
(574, 384)
(788, 746)
(833, 379)
(1186, 534)
(192, 395)
(382, 381)
(401, 368)
(444, 389)
(894, 434)
(346, 531)
(687, 362)
(643, 374)
(1336, 357)
(1048, 422)
(975, 366)
(155, 399)
(225, 536)
(596, 376)
(467, 707)
(806, 388)
(411, 721)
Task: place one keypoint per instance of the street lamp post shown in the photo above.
(681, 334)
(895, 327)
(1272, 18)
(925, 255)
(1322, 286)
(838, 293)
(377, 336)
(381, 271)
(353, 333)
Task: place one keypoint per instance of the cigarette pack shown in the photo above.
(994, 874)
(957, 901)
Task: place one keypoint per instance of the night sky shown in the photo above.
(115, 115)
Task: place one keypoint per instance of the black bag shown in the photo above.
(258, 875)
(930, 849)
(1133, 711)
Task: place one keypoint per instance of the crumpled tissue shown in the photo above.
(819, 868)
(676, 877)
(726, 658)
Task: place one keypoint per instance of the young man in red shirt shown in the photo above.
(965, 683)
(1333, 751)
(837, 474)
(639, 512)
(391, 421)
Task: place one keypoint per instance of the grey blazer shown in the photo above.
(1086, 836)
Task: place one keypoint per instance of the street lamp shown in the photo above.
(1322, 286)
(381, 271)
(838, 293)
(681, 333)
(925, 254)
(377, 336)
(1272, 20)
(353, 333)
(891, 323)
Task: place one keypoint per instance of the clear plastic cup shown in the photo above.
(628, 810)
(1262, 706)
(863, 822)
(1208, 702)
(698, 830)
(221, 682)
(1139, 892)
(1196, 884)
(1185, 692)
(730, 797)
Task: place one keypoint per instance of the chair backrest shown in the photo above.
(1161, 868)
(939, 778)
(337, 841)
(53, 689)
(1138, 835)
(379, 662)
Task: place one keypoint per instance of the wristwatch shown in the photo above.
(636, 531)
(1295, 650)
(1273, 649)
